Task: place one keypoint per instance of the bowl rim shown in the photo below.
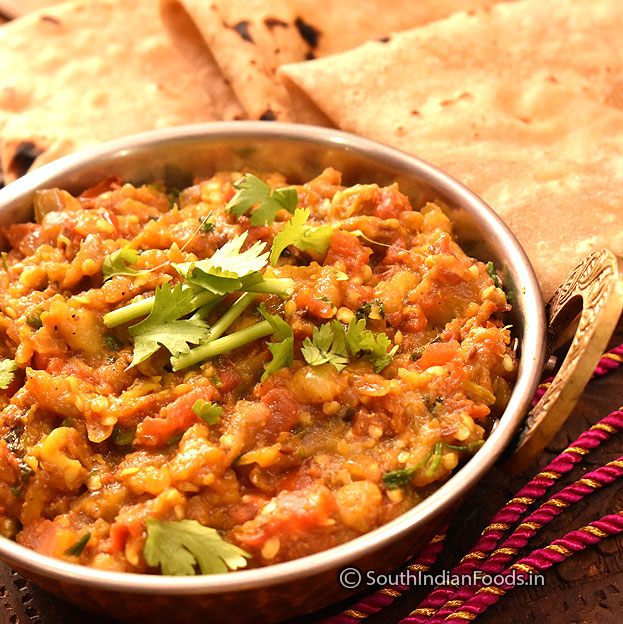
(430, 508)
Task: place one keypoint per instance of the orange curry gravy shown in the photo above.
(297, 463)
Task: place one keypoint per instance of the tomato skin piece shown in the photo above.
(172, 419)
(437, 354)
(294, 514)
(348, 250)
(391, 203)
(284, 411)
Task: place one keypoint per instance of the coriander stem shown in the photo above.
(129, 312)
(222, 345)
(277, 286)
(202, 312)
(273, 286)
(144, 306)
(223, 324)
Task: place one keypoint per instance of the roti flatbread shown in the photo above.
(522, 103)
(15, 8)
(248, 40)
(89, 71)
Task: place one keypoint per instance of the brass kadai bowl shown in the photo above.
(301, 152)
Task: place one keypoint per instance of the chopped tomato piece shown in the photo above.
(172, 419)
(437, 354)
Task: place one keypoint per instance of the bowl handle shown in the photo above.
(594, 288)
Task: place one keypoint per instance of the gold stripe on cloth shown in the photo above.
(605, 427)
(360, 615)
(577, 450)
(524, 500)
(615, 462)
(533, 526)
(418, 567)
(424, 611)
(565, 552)
(523, 567)
(613, 356)
(593, 530)
(548, 475)
(438, 538)
(557, 503)
(589, 482)
(461, 615)
(498, 591)
(496, 526)
(505, 551)
(453, 604)
(477, 554)
(390, 592)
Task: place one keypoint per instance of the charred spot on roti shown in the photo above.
(310, 56)
(385, 39)
(268, 115)
(308, 32)
(25, 155)
(242, 28)
(273, 22)
(415, 112)
(50, 20)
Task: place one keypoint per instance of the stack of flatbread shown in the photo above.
(520, 100)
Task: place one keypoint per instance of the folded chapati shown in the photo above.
(15, 8)
(86, 72)
(247, 40)
(523, 103)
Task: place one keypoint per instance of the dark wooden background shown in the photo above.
(587, 588)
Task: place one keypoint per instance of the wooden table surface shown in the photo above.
(586, 588)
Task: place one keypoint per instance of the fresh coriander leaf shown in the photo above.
(397, 478)
(218, 382)
(112, 342)
(493, 274)
(374, 346)
(394, 479)
(305, 238)
(7, 373)
(164, 326)
(228, 269)
(123, 437)
(468, 448)
(327, 345)
(282, 351)
(208, 411)
(254, 192)
(5, 266)
(371, 309)
(179, 546)
(174, 439)
(437, 453)
(173, 197)
(118, 263)
(207, 226)
(78, 547)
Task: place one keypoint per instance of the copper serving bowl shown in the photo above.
(300, 152)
